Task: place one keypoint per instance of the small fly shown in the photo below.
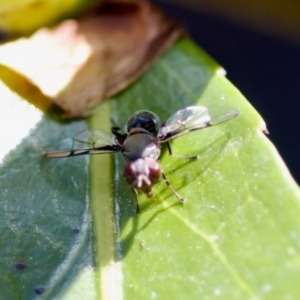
(141, 144)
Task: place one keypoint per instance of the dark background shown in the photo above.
(266, 69)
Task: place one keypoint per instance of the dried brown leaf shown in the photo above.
(81, 62)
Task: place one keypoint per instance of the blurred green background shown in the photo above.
(257, 42)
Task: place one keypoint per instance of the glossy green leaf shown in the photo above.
(75, 231)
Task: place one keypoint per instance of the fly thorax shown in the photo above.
(140, 145)
(142, 174)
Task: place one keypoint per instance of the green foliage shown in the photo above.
(236, 237)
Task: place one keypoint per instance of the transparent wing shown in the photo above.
(94, 139)
(88, 142)
(194, 118)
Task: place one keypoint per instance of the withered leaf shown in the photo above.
(81, 62)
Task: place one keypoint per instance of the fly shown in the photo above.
(141, 144)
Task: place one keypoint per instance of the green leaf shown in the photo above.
(74, 229)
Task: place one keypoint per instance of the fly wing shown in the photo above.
(93, 139)
(88, 142)
(194, 118)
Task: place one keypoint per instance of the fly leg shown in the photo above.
(119, 136)
(172, 189)
(181, 156)
(137, 211)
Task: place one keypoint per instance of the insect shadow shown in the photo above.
(208, 155)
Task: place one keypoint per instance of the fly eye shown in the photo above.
(144, 119)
